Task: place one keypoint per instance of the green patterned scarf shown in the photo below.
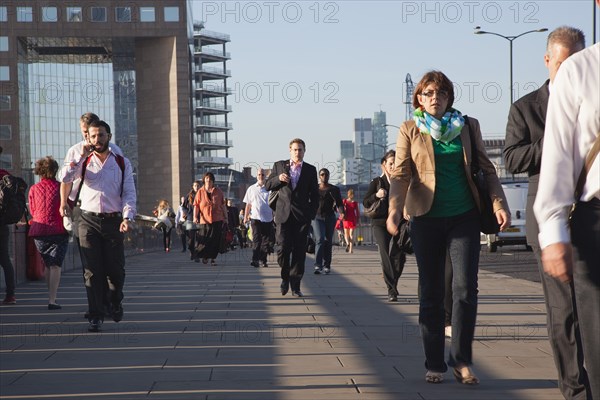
(445, 130)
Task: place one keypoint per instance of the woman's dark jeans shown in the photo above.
(432, 238)
(323, 230)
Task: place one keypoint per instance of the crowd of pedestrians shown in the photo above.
(427, 180)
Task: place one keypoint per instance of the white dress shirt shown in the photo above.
(72, 153)
(101, 190)
(572, 125)
(258, 197)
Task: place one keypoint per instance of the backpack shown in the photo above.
(12, 199)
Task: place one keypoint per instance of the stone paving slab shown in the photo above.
(192, 331)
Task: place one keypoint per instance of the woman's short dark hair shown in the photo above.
(442, 82)
(46, 167)
(210, 175)
(388, 154)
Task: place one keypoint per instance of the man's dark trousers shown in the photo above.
(261, 232)
(103, 253)
(292, 236)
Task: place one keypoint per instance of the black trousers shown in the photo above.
(103, 254)
(585, 237)
(392, 263)
(261, 233)
(291, 255)
(9, 270)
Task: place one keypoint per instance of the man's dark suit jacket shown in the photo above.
(303, 201)
(523, 147)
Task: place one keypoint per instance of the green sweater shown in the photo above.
(452, 193)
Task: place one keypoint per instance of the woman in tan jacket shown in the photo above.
(432, 183)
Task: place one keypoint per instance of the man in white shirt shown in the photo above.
(523, 153)
(68, 191)
(572, 126)
(108, 205)
(260, 216)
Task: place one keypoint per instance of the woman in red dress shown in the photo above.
(351, 216)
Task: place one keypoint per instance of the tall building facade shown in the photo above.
(211, 107)
(127, 61)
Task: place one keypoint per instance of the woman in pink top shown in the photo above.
(51, 238)
(351, 216)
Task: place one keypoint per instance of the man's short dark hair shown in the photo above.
(99, 123)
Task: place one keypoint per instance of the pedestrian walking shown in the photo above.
(330, 202)
(50, 237)
(392, 257)
(108, 206)
(570, 241)
(432, 183)
(295, 181)
(523, 154)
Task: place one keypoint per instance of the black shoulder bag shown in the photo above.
(489, 223)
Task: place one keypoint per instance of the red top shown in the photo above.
(3, 172)
(44, 205)
(351, 208)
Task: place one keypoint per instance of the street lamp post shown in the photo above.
(510, 39)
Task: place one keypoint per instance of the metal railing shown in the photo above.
(212, 52)
(211, 34)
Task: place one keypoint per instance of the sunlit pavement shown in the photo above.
(192, 331)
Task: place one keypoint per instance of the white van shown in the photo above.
(516, 195)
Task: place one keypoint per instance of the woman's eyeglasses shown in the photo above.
(440, 93)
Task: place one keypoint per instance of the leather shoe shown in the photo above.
(254, 264)
(95, 325)
(393, 298)
(297, 293)
(54, 306)
(285, 287)
(117, 314)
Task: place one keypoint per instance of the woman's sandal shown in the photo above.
(466, 377)
(434, 377)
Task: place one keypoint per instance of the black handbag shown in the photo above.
(402, 238)
(489, 223)
(379, 208)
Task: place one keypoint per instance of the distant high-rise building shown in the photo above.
(380, 138)
(347, 149)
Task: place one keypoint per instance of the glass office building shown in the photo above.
(126, 61)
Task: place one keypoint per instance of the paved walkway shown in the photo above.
(193, 331)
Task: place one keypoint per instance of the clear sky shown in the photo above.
(308, 68)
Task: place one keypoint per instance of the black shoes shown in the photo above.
(54, 306)
(255, 264)
(297, 293)
(264, 264)
(285, 287)
(318, 270)
(393, 298)
(95, 325)
(117, 313)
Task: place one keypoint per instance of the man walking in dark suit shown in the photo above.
(297, 204)
(523, 153)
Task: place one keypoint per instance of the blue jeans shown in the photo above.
(323, 229)
(432, 238)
